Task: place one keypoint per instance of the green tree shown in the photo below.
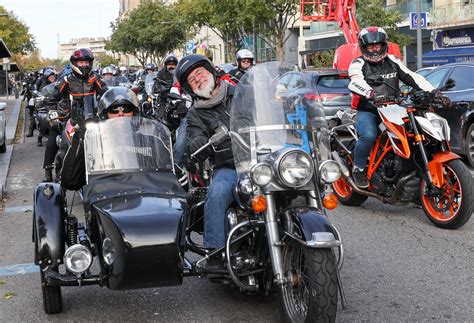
(105, 60)
(373, 13)
(152, 30)
(15, 33)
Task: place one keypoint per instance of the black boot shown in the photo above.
(360, 178)
(48, 174)
(30, 132)
(40, 141)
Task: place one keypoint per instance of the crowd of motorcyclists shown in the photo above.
(198, 96)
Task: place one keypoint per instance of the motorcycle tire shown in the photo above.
(52, 297)
(314, 272)
(341, 187)
(454, 206)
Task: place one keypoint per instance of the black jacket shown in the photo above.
(71, 85)
(201, 125)
(236, 74)
(160, 87)
(391, 69)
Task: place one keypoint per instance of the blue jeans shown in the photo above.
(180, 145)
(367, 129)
(219, 196)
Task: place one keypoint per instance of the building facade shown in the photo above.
(452, 28)
(96, 45)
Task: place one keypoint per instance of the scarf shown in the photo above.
(215, 100)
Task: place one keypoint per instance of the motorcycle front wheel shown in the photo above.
(452, 206)
(311, 294)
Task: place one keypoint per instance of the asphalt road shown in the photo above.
(398, 267)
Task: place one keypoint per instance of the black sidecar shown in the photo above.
(134, 215)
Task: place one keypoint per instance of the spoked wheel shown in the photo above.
(52, 297)
(470, 145)
(311, 296)
(343, 190)
(451, 206)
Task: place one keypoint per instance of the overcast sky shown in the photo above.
(68, 18)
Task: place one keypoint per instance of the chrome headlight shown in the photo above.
(330, 171)
(77, 258)
(108, 251)
(261, 174)
(295, 168)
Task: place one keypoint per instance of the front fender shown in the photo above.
(314, 226)
(435, 166)
(48, 224)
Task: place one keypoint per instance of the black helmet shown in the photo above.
(189, 63)
(82, 54)
(373, 35)
(150, 66)
(47, 72)
(117, 96)
(171, 59)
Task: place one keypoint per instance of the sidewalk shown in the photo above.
(11, 115)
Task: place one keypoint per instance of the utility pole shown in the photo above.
(419, 50)
(59, 46)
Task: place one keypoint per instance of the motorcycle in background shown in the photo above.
(411, 161)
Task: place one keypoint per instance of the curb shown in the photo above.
(12, 124)
(11, 127)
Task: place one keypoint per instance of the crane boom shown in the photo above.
(342, 12)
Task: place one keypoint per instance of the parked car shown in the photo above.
(425, 70)
(226, 67)
(456, 81)
(328, 86)
(3, 127)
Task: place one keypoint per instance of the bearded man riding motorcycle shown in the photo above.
(81, 82)
(211, 109)
(375, 61)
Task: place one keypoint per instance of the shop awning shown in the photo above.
(448, 55)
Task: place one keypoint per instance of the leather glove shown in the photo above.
(439, 97)
(77, 116)
(181, 109)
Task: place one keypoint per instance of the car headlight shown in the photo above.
(330, 171)
(295, 168)
(108, 251)
(77, 258)
(261, 174)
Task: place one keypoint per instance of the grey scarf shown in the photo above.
(215, 100)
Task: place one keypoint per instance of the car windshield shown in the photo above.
(340, 82)
(127, 144)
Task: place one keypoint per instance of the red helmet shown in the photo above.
(373, 35)
(82, 54)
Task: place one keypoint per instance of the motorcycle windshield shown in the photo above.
(47, 90)
(127, 144)
(265, 119)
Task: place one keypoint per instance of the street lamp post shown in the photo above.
(419, 51)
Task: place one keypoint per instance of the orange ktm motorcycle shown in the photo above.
(411, 161)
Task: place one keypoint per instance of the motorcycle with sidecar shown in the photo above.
(139, 224)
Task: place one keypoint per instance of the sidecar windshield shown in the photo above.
(267, 117)
(127, 145)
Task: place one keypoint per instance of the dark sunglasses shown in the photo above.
(116, 110)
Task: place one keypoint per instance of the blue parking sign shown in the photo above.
(414, 18)
(190, 46)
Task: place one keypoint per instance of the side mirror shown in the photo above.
(450, 83)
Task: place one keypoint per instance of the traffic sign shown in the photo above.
(414, 20)
(190, 46)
